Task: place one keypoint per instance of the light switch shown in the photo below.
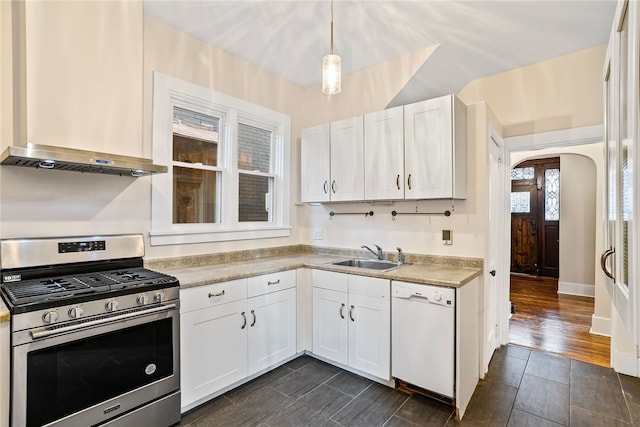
(446, 237)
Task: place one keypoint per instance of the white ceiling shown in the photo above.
(475, 38)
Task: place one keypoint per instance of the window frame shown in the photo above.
(170, 92)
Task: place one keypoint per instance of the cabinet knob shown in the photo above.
(398, 181)
(253, 313)
(341, 313)
(351, 314)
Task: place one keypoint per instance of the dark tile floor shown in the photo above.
(523, 388)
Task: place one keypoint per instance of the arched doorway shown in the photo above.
(554, 313)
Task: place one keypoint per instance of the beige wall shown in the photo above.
(559, 93)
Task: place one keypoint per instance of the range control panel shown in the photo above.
(94, 245)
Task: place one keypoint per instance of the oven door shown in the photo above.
(94, 374)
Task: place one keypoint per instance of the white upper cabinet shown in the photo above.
(435, 153)
(314, 164)
(347, 160)
(332, 162)
(384, 155)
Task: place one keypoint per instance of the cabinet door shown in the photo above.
(370, 335)
(314, 164)
(213, 350)
(330, 324)
(429, 149)
(384, 155)
(347, 159)
(272, 329)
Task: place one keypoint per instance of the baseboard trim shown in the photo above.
(579, 289)
(600, 326)
(625, 363)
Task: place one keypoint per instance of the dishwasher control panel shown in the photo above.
(427, 293)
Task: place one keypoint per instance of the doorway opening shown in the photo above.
(553, 233)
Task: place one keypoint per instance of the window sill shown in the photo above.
(163, 238)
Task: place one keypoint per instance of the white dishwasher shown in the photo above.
(423, 332)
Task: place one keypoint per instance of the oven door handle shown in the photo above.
(44, 332)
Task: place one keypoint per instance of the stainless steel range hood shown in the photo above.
(70, 159)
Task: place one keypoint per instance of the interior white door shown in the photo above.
(497, 277)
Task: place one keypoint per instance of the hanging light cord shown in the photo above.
(331, 27)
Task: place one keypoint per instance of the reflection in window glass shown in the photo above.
(552, 195)
(254, 148)
(194, 196)
(255, 197)
(522, 173)
(520, 202)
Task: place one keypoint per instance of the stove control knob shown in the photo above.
(160, 297)
(75, 312)
(142, 300)
(111, 306)
(50, 316)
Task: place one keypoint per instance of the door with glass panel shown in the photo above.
(535, 217)
(621, 86)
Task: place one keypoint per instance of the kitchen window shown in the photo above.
(227, 178)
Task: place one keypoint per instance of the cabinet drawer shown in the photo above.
(370, 287)
(260, 285)
(330, 280)
(211, 295)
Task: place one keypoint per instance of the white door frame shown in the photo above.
(555, 139)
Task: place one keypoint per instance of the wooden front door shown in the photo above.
(535, 217)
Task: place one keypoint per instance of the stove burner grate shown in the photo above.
(45, 289)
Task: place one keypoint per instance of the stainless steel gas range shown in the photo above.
(94, 335)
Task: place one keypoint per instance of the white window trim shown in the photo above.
(169, 92)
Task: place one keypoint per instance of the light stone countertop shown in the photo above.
(418, 272)
(4, 312)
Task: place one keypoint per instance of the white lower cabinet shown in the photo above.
(232, 330)
(213, 349)
(272, 329)
(351, 321)
(329, 324)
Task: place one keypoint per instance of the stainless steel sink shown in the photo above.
(372, 264)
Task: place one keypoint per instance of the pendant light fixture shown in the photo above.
(331, 68)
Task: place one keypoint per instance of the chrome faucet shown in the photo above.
(400, 256)
(379, 254)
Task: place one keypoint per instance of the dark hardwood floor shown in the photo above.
(548, 321)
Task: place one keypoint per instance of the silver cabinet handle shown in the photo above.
(341, 308)
(219, 294)
(351, 314)
(603, 262)
(333, 186)
(253, 313)
(269, 283)
(409, 181)
(326, 187)
(244, 319)
(398, 181)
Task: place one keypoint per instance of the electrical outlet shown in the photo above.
(446, 237)
(317, 234)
